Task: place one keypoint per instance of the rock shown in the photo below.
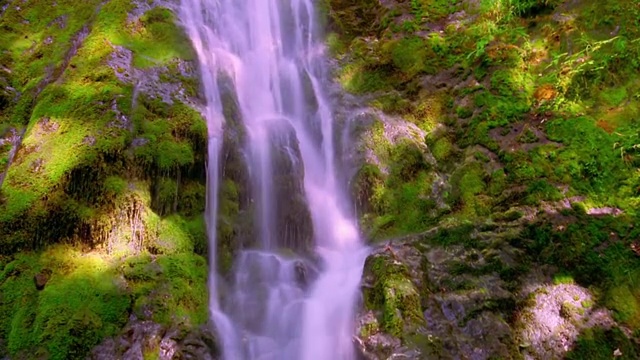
(556, 315)
(139, 339)
(41, 278)
(462, 307)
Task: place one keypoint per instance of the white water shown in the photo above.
(270, 51)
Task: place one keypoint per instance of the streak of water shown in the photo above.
(269, 49)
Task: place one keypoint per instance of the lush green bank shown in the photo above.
(520, 115)
(101, 206)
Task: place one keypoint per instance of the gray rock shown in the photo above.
(145, 337)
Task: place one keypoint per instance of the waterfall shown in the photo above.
(279, 307)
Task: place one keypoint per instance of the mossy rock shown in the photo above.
(354, 17)
(394, 297)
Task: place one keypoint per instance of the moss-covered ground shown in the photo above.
(105, 195)
(532, 113)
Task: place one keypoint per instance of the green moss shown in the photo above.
(155, 39)
(173, 236)
(461, 234)
(408, 55)
(355, 18)
(468, 184)
(597, 343)
(394, 295)
(541, 190)
(463, 112)
(442, 149)
(563, 279)
(75, 180)
(614, 96)
(527, 136)
(369, 329)
(79, 306)
(168, 289)
(625, 303)
(358, 78)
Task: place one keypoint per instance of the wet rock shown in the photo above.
(47, 126)
(306, 272)
(137, 142)
(371, 342)
(461, 315)
(89, 140)
(60, 21)
(41, 278)
(294, 228)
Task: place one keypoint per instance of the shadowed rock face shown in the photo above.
(293, 227)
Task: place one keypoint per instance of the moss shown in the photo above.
(579, 128)
(369, 329)
(75, 181)
(79, 306)
(408, 55)
(463, 112)
(358, 78)
(461, 234)
(173, 236)
(169, 289)
(442, 149)
(155, 39)
(561, 278)
(468, 182)
(625, 302)
(541, 190)
(355, 18)
(407, 161)
(394, 295)
(367, 182)
(570, 311)
(115, 185)
(597, 343)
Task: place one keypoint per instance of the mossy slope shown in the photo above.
(105, 194)
(530, 111)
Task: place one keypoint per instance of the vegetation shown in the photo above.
(103, 201)
(512, 114)
(530, 113)
(546, 121)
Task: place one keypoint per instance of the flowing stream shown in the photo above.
(279, 307)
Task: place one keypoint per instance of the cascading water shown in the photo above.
(269, 50)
